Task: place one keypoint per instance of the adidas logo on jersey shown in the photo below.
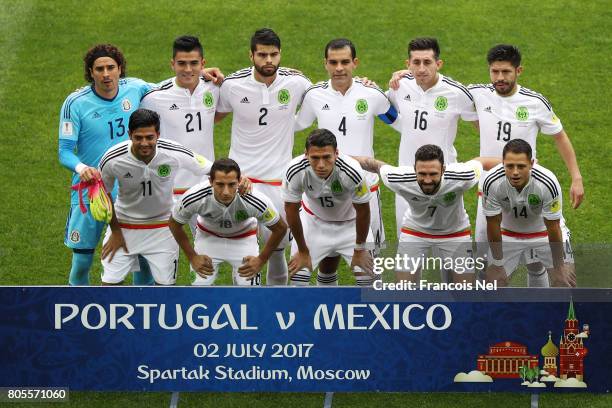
(127, 175)
(488, 109)
(244, 100)
(325, 107)
(407, 98)
(174, 107)
(96, 115)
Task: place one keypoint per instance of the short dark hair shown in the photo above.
(103, 50)
(224, 165)
(187, 43)
(321, 138)
(340, 43)
(265, 36)
(143, 118)
(424, 44)
(429, 152)
(518, 146)
(504, 52)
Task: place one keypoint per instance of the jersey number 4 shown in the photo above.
(342, 127)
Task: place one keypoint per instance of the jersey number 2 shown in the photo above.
(263, 112)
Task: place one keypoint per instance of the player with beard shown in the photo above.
(508, 111)
(435, 218)
(263, 99)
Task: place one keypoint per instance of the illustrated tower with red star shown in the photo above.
(571, 348)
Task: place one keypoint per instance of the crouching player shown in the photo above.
(145, 168)
(226, 227)
(435, 218)
(522, 203)
(336, 212)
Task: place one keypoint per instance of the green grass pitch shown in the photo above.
(565, 47)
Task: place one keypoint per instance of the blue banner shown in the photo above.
(305, 339)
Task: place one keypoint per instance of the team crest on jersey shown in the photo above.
(163, 170)
(449, 197)
(269, 215)
(441, 103)
(522, 113)
(283, 96)
(336, 187)
(534, 200)
(75, 236)
(126, 105)
(361, 106)
(241, 215)
(208, 100)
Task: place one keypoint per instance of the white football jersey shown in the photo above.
(187, 119)
(146, 190)
(350, 117)
(441, 213)
(329, 199)
(239, 217)
(430, 117)
(524, 211)
(519, 116)
(263, 120)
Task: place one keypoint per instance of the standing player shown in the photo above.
(508, 111)
(435, 217)
(522, 203)
(145, 169)
(336, 216)
(186, 105)
(264, 99)
(430, 105)
(347, 107)
(227, 227)
(92, 120)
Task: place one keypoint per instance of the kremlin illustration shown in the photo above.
(563, 364)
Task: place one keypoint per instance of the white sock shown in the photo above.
(327, 279)
(538, 279)
(301, 278)
(364, 280)
(277, 269)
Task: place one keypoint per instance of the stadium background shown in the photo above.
(566, 57)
